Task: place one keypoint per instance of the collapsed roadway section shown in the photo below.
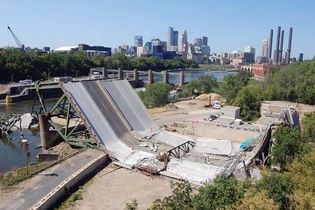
(114, 115)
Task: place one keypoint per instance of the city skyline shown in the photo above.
(60, 23)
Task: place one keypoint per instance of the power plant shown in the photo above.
(270, 44)
(289, 45)
(278, 52)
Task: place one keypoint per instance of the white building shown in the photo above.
(183, 43)
(265, 48)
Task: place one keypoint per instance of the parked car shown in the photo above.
(26, 82)
(216, 105)
(212, 117)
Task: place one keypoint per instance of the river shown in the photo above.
(11, 151)
(191, 75)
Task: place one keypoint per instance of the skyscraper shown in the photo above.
(138, 41)
(183, 43)
(265, 48)
(170, 37)
(204, 40)
(249, 54)
(198, 42)
(175, 38)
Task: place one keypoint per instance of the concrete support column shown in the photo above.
(44, 130)
(181, 78)
(135, 74)
(104, 73)
(165, 77)
(150, 77)
(120, 74)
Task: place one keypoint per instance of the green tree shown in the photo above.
(248, 98)
(155, 94)
(308, 126)
(205, 84)
(222, 193)
(278, 187)
(288, 143)
(256, 200)
(232, 84)
(181, 198)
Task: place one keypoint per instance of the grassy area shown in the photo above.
(71, 200)
(73, 197)
(215, 67)
(16, 176)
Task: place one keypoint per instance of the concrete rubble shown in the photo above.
(115, 115)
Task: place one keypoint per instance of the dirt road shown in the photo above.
(113, 187)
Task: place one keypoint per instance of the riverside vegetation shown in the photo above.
(16, 65)
(295, 83)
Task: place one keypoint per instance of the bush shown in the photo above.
(288, 143)
(181, 198)
(278, 187)
(205, 84)
(155, 95)
(223, 192)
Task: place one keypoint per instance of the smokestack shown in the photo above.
(281, 46)
(289, 44)
(270, 44)
(277, 46)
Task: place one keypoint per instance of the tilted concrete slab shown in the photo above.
(114, 113)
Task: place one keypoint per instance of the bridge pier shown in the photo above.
(181, 78)
(165, 77)
(104, 73)
(150, 77)
(135, 74)
(44, 130)
(120, 74)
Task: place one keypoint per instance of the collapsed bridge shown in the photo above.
(116, 117)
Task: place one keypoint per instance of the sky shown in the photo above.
(229, 24)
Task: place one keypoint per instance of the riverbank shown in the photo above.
(45, 188)
(15, 176)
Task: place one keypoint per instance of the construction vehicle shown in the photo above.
(17, 41)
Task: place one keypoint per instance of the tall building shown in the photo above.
(265, 48)
(204, 40)
(183, 43)
(198, 42)
(249, 54)
(175, 39)
(172, 39)
(301, 57)
(138, 41)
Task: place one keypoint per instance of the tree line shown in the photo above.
(295, 83)
(16, 65)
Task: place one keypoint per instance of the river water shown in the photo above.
(191, 75)
(11, 151)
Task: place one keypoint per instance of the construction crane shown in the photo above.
(17, 41)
